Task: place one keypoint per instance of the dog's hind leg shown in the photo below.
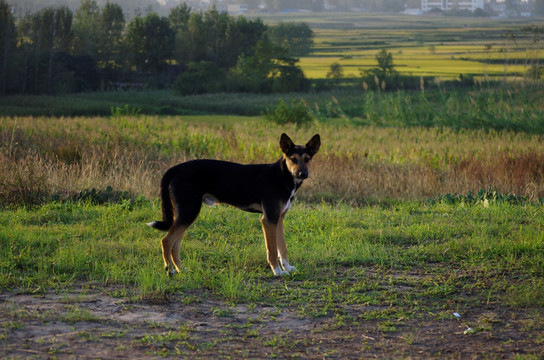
(176, 248)
(167, 244)
(187, 207)
(171, 244)
(282, 248)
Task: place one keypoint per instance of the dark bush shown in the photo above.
(298, 113)
(201, 77)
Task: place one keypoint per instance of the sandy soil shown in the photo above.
(91, 322)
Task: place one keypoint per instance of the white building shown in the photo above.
(447, 5)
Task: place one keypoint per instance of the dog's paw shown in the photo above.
(290, 269)
(170, 271)
(287, 267)
(279, 272)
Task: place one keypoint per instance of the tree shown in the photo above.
(87, 29)
(242, 37)
(251, 73)
(61, 38)
(150, 41)
(288, 77)
(7, 44)
(112, 24)
(202, 77)
(179, 17)
(336, 73)
(25, 32)
(49, 32)
(193, 40)
(215, 25)
(213, 36)
(385, 71)
(297, 38)
(385, 64)
(269, 69)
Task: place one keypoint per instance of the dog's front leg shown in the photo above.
(270, 229)
(282, 248)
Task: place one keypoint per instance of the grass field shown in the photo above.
(372, 281)
(390, 234)
(495, 242)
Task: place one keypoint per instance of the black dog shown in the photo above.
(264, 188)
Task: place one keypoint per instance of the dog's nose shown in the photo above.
(302, 174)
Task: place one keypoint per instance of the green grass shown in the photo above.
(157, 102)
(466, 253)
(516, 107)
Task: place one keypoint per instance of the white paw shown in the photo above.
(287, 267)
(279, 272)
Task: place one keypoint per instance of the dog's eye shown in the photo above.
(294, 160)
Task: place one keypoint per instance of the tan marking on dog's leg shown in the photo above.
(282, 248)
(166, 243)
(178, 236)
(170, 248)
(271, 237)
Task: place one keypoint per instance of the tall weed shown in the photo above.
(511, 109)
(44, 159)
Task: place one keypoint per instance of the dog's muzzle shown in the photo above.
(302, 175)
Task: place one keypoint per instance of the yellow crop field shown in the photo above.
(417, 62)
(444, 47)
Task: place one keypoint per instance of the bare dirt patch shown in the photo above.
(97, 322)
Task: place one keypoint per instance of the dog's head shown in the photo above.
(297, 157)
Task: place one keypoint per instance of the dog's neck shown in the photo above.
(290, 179)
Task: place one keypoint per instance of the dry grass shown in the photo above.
(57, 158)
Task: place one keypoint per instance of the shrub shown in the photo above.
(117, 112)
(297, 113)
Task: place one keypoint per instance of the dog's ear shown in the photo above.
(286, 143)
(314, 144)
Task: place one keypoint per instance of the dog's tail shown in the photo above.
(166, 204)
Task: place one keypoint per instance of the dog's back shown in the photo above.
(246, 187)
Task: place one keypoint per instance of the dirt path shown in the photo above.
(91, 322)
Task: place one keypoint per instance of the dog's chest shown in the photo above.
(291, 197)
(289, 202)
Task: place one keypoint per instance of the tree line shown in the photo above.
(55, 50)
